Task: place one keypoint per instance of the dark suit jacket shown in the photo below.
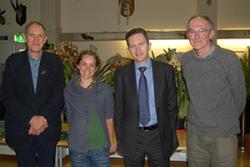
(127, 109)
(22, 103)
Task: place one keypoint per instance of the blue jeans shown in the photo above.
(91, 158)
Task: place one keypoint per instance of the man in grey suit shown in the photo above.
(145, 106)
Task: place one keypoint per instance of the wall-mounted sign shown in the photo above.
(19, 38)
(3, 38)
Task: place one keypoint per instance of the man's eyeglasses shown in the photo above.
(202, 32)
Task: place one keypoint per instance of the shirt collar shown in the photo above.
(208, 53)
(30, 56)
(148, 64)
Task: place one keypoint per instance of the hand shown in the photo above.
(33, 131)
(37, 125)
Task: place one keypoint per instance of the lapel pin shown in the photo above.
(43, 72)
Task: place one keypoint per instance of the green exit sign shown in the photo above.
(19, 38)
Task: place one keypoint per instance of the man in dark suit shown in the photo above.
(33, 98)
(145, 118)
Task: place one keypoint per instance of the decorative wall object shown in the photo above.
(126, 9)
(20, 11)
(86, 36)
(2, 19)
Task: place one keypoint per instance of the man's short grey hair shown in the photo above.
(210, 22)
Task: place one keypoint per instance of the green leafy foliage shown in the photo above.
(245, 62)
(68, 54)
(173, 58)
(105, 73)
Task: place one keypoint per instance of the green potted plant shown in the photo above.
(106, 72)
(173, 58)
(245, 62)
(68, 54)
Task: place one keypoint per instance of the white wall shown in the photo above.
(11, 27)
(233, 14)
(106, 49)
(102, 15)
(45, 11)
(79, 16)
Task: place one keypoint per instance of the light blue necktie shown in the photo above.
(143, 98)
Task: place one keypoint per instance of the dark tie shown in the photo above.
(143, 98)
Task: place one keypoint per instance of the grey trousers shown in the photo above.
(217, 152)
